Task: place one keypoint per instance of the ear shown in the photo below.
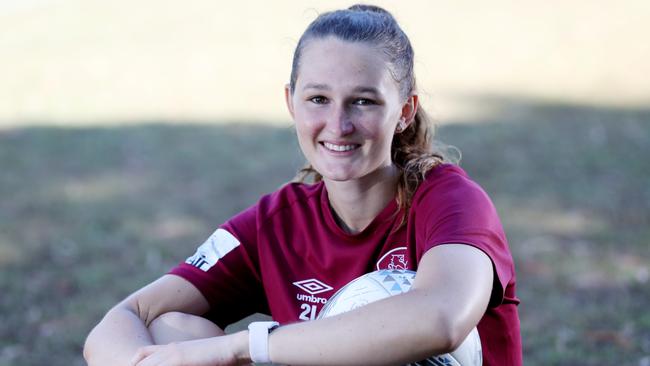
(409, 109)
(288, 100)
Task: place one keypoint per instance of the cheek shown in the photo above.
(377, 129)
(308, 122)
(305, 132)
(303, 125)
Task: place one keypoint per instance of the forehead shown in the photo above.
(335, 63)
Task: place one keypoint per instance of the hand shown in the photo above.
(215, 351)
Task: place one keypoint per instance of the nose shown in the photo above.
(339, 121)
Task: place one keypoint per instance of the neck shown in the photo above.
(355, 203)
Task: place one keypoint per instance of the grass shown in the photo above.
(87, 215)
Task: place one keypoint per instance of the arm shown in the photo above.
(434, 317)
(123, 330)
(450, 295)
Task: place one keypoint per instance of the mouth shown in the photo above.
(339, 147)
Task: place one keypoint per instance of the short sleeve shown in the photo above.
(450, 208)
(225, 269)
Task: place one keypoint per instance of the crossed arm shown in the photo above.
(449, 296)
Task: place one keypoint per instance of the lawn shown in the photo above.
(89, 214)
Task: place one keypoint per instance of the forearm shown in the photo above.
(434, 317)
(116, 338)
(397, 330)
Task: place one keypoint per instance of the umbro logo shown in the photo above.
(313, 286)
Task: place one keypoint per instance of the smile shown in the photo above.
(340, 148)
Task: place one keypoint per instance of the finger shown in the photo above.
(141, 354)
(160, 356)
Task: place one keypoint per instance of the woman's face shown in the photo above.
(346, 107)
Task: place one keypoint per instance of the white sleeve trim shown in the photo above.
(220, 243)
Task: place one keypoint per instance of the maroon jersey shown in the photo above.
(286, 255)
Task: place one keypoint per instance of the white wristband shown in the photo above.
(258, 340)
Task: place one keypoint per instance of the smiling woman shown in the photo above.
(346, 112)
(379, 190)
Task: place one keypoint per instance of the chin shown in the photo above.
(338, 179)
(339, 176)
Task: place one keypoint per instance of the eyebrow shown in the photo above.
(366, 89)
(316, 86)
(358, 89)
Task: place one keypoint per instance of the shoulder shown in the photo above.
(448, 181)
(447, 192)
(288, 197)
(286, 203)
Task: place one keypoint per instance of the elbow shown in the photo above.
(86, 355)
(88, 349)
(455, 337)
(94, 348)
(449, 335)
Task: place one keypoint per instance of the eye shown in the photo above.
(319, 99)
(364, 101)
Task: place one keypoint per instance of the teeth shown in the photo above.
(339, 147)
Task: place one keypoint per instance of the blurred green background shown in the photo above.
(130, 130)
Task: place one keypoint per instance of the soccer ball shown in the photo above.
(384, 283)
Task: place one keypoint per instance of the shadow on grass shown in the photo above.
(90, 214)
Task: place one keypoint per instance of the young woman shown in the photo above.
(381, 198)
